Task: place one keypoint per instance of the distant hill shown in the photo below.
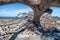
(58, 18)
(9, 18)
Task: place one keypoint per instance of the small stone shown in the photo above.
(1, 38)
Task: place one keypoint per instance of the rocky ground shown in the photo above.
(48, 21)
(24, 29)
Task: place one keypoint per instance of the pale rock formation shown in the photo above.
(28, 35)
(48, 21)
(58, 24)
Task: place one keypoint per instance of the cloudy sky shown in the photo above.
(14, 9)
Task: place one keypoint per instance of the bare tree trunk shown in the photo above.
(37, 15)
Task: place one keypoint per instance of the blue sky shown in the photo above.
(56, 11)
(14, 9)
